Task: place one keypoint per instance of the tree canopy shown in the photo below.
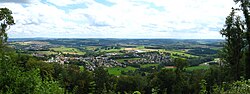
(6, 19)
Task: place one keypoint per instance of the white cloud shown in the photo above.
(15, 1)
(124, 19)
(69, 2)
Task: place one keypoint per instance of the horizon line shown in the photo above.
(116, 38)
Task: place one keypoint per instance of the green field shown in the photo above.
(181, 53)
(81, 68)
(194, 68)
(197, 68)
(92, 48)
(148, 65)
(45, 52)
(66, 50)
(123, 60)
(140, 47)
(117, 70)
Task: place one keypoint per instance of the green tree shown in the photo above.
(233, 47)
(15, 78)
(101, 78)
(164, 81)
(6, 20)
(244, 4)
(129, 84)
(181, 85)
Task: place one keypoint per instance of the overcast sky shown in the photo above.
(185, 19)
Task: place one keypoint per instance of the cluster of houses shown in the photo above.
(105, 60)
(91, 62)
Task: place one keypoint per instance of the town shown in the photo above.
(121, 54)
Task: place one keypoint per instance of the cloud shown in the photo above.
(68, 2)
(16, 1)
(119, 18)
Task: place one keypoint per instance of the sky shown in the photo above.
(181, 19)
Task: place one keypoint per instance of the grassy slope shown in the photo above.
(148, 65)
(117, 70)
(66, 50)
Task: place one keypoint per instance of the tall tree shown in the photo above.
(181, 86)
(245, 9)
(101, 78)
(6, 20)
(233, 48)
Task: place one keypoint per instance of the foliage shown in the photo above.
(237, 87)
(16, 79)
(203, 87)
(244, 7)
(130, 83)
(101, 85)
(6, 20)
(233, 48)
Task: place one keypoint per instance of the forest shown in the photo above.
(23, 73)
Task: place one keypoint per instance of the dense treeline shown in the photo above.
(202, 51)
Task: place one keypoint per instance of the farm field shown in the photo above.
(66, 50)
(191, 68)
(197, 67)
(117, 70)
(45, 52)
(148, 65)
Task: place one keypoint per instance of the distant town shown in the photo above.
(111, 53)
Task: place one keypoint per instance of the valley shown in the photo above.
(121, 56)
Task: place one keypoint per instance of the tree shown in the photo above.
(180, 64)
(15, 77)
(101, 78)
(181, 86)
(233, 48)
(129, 84)
(164, 81)
(6, 20)
(245, 9)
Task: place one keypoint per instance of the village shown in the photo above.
(91, 55)
(112, 60)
